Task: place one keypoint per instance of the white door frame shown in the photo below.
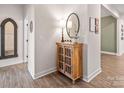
(25, 40)
(117, 27)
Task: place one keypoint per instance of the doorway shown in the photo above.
(108, 32)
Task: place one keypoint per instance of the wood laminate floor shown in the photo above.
(18, 76)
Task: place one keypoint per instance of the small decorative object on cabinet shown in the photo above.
(62, 25)
(69, 59)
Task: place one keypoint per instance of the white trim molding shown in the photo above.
(92, 75)
(109, 53)
(113, 11)
(9, 63)
(119, 54)
(43, 73)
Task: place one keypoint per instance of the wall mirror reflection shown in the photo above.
(8, 38)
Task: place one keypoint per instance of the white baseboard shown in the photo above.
(92, 75)
(109, 53)
(6, 62)
(25, 61)
(120, 54)
(43, 73)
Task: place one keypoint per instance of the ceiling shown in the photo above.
(119, 8)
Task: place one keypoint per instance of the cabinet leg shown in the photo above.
(73, 81)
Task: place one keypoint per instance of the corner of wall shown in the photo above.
(43, 73)
(92, 75)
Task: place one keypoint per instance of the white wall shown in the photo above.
(47, 17)
(93, 45)
(48, 33)
(16, 13)
(29, 15)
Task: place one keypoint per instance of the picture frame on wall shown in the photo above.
(92, 27)
(96, 21)
(96, 25)
(96, 29)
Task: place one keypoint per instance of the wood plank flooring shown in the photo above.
(17, 76)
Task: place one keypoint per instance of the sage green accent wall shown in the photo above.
(108, 34)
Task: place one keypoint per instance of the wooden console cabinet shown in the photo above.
(69, 60)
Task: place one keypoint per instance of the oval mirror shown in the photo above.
(72, 25)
